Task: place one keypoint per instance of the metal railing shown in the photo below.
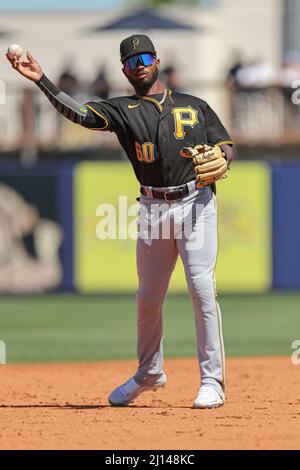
(257, 116)
(264, 116)
(29, 124)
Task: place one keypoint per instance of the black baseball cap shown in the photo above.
(136, 44)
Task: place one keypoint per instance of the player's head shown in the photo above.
(140, 64)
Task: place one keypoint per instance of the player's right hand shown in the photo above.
(29, 69)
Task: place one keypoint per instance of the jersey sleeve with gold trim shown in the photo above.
(216, 132)
(106, 114)
(94, 115)
(65, 104)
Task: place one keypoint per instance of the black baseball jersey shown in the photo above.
(153, 133)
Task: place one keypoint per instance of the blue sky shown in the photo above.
(47, 5)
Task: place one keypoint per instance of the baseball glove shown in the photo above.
(210, 163)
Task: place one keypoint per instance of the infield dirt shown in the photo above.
(64, 406)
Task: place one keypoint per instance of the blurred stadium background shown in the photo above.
(244, 59)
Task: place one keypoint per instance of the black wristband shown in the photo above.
(39, 81)
(44, 82)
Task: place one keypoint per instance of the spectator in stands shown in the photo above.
(68, 81)
(290, 70)
(170, 78)
(237, 65)
(258, 73)
(100, 87)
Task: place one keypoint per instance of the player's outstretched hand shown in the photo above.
(30, 69)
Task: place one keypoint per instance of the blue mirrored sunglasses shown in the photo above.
(133, 62)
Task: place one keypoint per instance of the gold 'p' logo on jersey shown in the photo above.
(184, 117)
(135, 43)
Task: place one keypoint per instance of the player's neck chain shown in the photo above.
(164, 97)
(158, 103)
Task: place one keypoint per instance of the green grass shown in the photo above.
(78, 328)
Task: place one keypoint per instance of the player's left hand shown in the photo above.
(227, 154)
(210, 162)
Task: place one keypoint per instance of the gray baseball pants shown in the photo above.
(187, 228)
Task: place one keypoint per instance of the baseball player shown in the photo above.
(178, 149)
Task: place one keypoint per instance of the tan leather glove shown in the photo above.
(210, 163)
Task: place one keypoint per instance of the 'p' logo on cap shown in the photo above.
(135, 43)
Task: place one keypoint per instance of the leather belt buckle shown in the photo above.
(180, 193)
(166, 196)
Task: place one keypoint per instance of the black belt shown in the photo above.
(169, 196)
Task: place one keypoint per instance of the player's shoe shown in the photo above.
(208, 397)
(130, 390)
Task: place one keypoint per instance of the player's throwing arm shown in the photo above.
(63, 103)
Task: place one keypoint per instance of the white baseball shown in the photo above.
(15, 51)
